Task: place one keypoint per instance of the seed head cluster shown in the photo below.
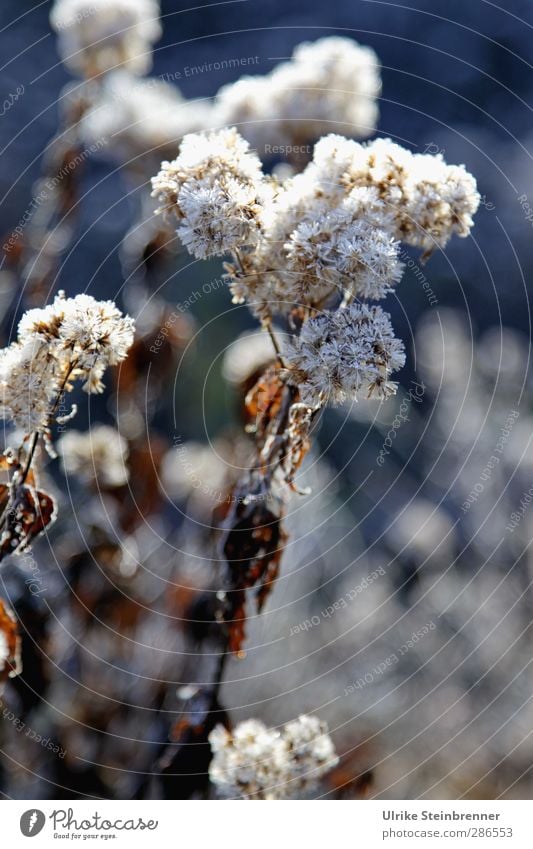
(307, 247)
(95, 36)
(98, 456)
(256, 762)
(216, 190)
(327, 83)
(339, 355)
(71, 339)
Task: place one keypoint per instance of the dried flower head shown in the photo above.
(98, 35)
(341, 250)
(334, 230)
(256, 762)
(343, 353)
(216, 190)
(72, 338)
(98, 456)
(330, 82)
(84, 334)
(29, 384)
(428, 200)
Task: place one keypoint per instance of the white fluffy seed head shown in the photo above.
(327, 83)
(95, 36)
(72, 338)
(98, 456)
(140, 117)
(340, 355)
(427, 201)
(216, 190)
(256, 762)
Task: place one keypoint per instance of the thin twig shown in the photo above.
(270, 331)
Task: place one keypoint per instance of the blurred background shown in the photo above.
(408, 565)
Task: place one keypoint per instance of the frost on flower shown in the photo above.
(98, 35)
(98, 456)
(330, 82)
(256, 762)
(428, 200)
(10, 664)
(71, 339)
(28, 384)
(342, 247)
(331, 232)
(216, 190)
(341, 354)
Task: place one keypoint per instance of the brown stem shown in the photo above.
(31, 453)
(222, 660)
(270, 331)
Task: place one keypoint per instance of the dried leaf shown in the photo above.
(264, 400)
(252, 545)
(10, 664)
(30, 511)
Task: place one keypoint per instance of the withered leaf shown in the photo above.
(252, 545)
(31, 511)
(264, 400)
(10, 664)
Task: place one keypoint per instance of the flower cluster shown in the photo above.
(98, 456)
(333, 229)
(343, 353)
(96, 36)
(330, 82)
(217, 192)
(426, 200)
(71, 339)
(256, 762)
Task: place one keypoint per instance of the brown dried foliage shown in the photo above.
(26, 510)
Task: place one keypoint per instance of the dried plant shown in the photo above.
(304, 250)
(72, 339)
(308, 249)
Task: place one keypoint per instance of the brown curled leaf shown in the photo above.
(264, 400)
(10, 664)
(30, 512)
(252, 545)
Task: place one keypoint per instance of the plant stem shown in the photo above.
(220, 671)
(31, 453)
(270, 331)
